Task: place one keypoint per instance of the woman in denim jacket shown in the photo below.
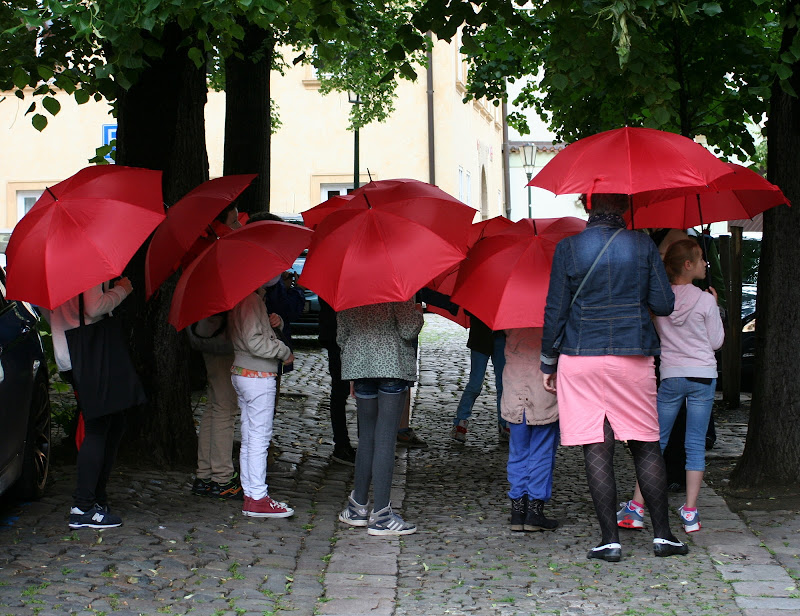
(597, 351)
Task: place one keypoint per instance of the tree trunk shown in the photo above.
(161, 126)
(772, 450)
(247, 116)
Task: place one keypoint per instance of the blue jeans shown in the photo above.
(699, 399)
(477, 370)
(369, 388)
(531, 459)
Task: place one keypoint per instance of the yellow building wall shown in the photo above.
(312, 147)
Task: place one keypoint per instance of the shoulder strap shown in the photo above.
(81, 309)
(591, 269)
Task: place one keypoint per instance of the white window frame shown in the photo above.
(22, 195)
(325, 188)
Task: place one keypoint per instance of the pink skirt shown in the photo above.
(621, 388)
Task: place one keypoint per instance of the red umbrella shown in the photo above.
(234, 266)
(642, 162)
(314, 216)
(505, 277)
(739, 194)
(445, 283)
(186, 221)
(82, 232)
(386, 243)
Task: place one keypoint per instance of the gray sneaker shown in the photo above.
(355, 514)
(386, 522)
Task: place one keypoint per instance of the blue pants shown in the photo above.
(477, 371)
(531, 460)
(699, 400)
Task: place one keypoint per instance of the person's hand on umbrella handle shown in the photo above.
(713, 292)
(549, 382)
(290, 360)
(125, 283)
(275, 321)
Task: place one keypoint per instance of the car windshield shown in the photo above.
(748, 299)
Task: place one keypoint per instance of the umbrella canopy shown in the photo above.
(445, 283)
(739, 194)
(314, 216)
(186, 221)
(82, 232)
(234, 266)
(643, 162)
(386, 243)
(505, 277)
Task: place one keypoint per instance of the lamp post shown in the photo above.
(355, 99)
(528, 160)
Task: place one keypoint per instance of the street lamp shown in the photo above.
(355, 99)
(528, 161)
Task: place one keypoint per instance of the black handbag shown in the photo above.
(102, 370)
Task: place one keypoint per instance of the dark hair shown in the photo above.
(607, 203)
(679, 253)
(259, 216)
(223, 215)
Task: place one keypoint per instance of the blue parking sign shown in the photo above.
(109, 134)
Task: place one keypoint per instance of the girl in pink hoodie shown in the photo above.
(689, 337)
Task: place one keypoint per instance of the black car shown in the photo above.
(24, 400)
(308, 322)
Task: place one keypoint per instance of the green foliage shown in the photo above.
(687, 67)
(370, 58)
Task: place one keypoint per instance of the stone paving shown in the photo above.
(178, 554)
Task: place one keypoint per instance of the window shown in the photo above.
(331, 190)
(461, 184)
(467, 188)
(26, 200)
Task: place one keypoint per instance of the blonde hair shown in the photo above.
(679, 253)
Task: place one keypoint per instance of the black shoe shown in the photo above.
(231, 489)
(201, 487)
(344, 455)
(610, 552)
(669, 547)
(519, 507)
(96, 517)
(535, 518)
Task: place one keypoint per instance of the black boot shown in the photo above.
(519, 507)
(535, 518)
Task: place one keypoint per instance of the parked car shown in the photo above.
(5, 235)
(308, 322)
(24, 400)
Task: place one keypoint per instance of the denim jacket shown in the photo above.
(611, 315)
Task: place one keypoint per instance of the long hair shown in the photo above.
(679, 253)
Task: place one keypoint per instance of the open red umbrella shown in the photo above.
(315, 215)
(642, 162)
(186, 221)
(82, 232)
(445, 283)
(386, 243)
(739, 194)
(234, 266)
(505, 277)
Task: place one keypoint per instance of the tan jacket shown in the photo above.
(523, 391)
(255, 344)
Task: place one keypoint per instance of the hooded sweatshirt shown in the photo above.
(690, 335)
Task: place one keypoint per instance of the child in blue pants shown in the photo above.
(532, 416)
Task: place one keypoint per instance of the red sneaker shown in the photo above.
(266, 508)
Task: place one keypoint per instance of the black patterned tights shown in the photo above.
(650, 471)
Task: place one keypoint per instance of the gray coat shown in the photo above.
(377, 341)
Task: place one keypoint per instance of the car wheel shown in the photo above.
(36, 457)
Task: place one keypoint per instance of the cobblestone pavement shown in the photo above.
(177, 553)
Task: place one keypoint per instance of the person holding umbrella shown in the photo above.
(257, 353)
(103, 433)
(598, 346)
(377, 343)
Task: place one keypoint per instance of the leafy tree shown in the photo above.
(690, 69)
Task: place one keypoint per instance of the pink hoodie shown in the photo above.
(690, 335)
